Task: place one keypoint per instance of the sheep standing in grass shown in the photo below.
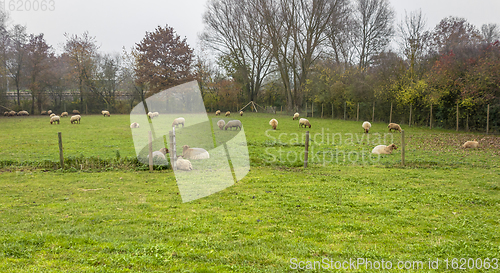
(194, 153)
(6, 113)
(75, 119)
(221, 123)
(228, 114)
(134, 125)
(183, 164)
(64, 114)
(241, 113)
(217, 112)
(304, 122)
(470, 144)
(12, 113)
(76, 112)
(394, 126)
(366, 125)
(55, 119)
(105, 113)
(49, 112)
(233, 124)
(23, 113)
(295, 116)
(178, 121)
(383, 149)
(274, 123)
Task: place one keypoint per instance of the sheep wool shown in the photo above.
(6, 113)
(134, 125)
(274, 123)
(233, 124)
(221, 123)
(295, 116)
(49, 112)
(304, 122)
(23, 113)
(241, 113)
(228, 114)
(160, 154)
(178, 121)
(43, 113)
(64, 114)
(76, 112)
(75, 119)
(383, 149)
(51, 115)
(394, 126)
(470, 144)
(366, 125)
(183, 164)
(217, 112)
(105, 113)
(194, 153)
(12, 113)
(54, 119)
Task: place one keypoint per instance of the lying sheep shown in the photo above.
(183, 164)
(105, 113)
(274, 123)
(233, 124)
(470, 144)
(228, 114)
(51, 115)
(134, 125)
(241, 113)
(160, 154)
(366, 125)
(178, 121)
(383, 149)
(75, 119)
(76, 112)
(23, 113)
(217, 112)
(304, 122)
(394, 126)
(194, 153)
(295, 116)
(54, 119)
(221, 124)
(64, 114)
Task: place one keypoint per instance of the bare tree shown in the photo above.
(16, 56)
(490, 32)
(340, 34)
(412, 37)
(373, 20)
(38, 53)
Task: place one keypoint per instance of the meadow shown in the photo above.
(106, 213)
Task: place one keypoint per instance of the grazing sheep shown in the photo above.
(12, 113)
(153, 114)
(23, 113)
(54, 119)
(105, 113)
(221, 124)
(160, 154)
(183, 164)
(295, 116)
(75, 119)
(233, 123)
(470, 144)
(394, 126)
(384, 150)
(76, 112)
(217, 112)
(228, 114)
(64, 114)
(304, 122)
(274, 123)
(43, 113)
(178, 121)
(49, 112)
(51, 115)
(241, 113)
(194, 153)
(6, 113)
(366, 125)
(134, 125)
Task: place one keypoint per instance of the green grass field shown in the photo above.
(112, 215)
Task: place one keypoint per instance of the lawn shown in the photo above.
(444, 204)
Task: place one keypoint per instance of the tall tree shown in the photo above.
(163, 60)
(452, 34)
(37, 54)
(490, 32)
(413, 37)
(16, 57)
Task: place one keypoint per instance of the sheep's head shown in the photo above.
(164, 151)
(393, 147)
(184, 149)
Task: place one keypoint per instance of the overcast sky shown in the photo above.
(118, 24)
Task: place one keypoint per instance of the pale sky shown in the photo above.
(117, 24)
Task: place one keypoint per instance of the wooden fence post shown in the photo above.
(357, 113)
(61, 156)
(403, 147)
(150, 152)
(390, 115)
(488, 119)
(306, 153)
(457, 116)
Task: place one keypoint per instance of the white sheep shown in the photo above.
(304, 122)
(383, 149)
(228, 114)
(241, 113)
(217, 112)
(54, 119)
(49, 112)
(12, 113)
(233, 124)
(134, 125)
(183, 164)
(178, 121)
(470, 144)
(64, 114)
(295, 116)
(221, 123)
(394, 126)
(274, 123)
(6, 113)
(75, 119)
(43, 113)
(160, 154)
(194, 153)
(76, 112)
(23, 113)
(366, 125)
(105, 113)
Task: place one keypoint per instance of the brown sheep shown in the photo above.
(470, 144)
(394, 126)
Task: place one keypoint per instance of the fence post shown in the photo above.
(411, 106)
(345, 109)
(332, 110)
(390, 115)
(61, 156)
(150, 152)
(488, 119)
(373, 113)
(430, 119)
(357, 113)
(322, 110)
(403, 147)
(457, 116)
(306, 153)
